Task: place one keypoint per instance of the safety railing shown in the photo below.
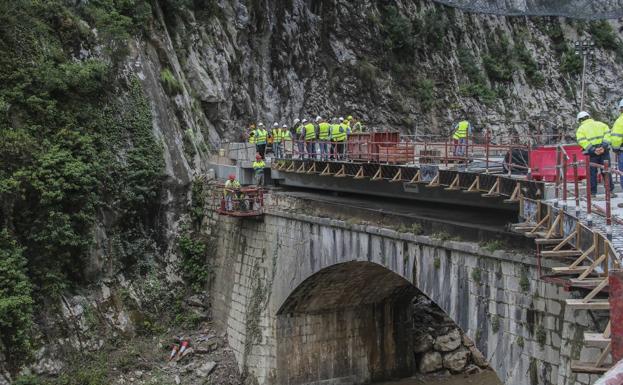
(240, 202)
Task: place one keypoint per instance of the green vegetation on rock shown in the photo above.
(77, 142)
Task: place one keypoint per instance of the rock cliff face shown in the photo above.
(410, 65)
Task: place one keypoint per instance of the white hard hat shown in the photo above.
(304, 120)
(284, 126)
(318, 118)
(341, 119)
(621, 104)
(582, 115)
(297, 120)
(260, 124)
(276, 124)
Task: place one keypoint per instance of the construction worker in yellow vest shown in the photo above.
(252, 134)
(231, 192)
(324, 136)
(594, 138)
(258, 170)
(277, 138)
(310, 140)
(299, 137)
(286, 142)
(338, 139)
(462, 130)
(356, 125)
(261, 138)
(616, 137)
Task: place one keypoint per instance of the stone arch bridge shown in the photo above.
(311, 300)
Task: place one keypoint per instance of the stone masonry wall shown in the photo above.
(517, 321)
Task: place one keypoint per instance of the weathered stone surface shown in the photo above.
(423, 343)
(448, 342)
(455, 361)
(467, 342)
(205, 369)
(478, 358)
(430, 362)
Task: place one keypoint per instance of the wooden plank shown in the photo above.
(540, 234)
(565, 241)
(547, 241)
(578, 304)
(592, 267)
(561, 253)
(569, 270)
(587, 367)
(595, 340)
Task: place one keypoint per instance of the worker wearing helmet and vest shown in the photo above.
(310, 140)
(461, 132)
(338, 138)
(300, 136)
(356, 125)
(594, 138)
(258, 170)
(616, 137)
(277, 139)
(324, 134)
(286, 142)
(260, 139)
(231, 192)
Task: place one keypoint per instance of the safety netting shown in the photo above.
(582, 9)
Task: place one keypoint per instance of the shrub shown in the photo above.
(170, 84)
(16, 304)
(571, 63)
(604, 35)
(425, 93)
(398, 32)
(194, 265)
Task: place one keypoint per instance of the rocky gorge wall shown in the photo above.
(277, 276)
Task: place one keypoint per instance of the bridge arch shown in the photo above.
(349, 323)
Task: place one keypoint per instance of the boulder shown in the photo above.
(448, 342)
(205, 369)
(430, 362)
(455, 361)
(478, 358)
(422, 343)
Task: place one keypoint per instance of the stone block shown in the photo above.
(430, 362)
(422, 343)
(449, 341)
(455, 361)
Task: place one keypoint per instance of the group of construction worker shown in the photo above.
(597, 140)
(319, 138)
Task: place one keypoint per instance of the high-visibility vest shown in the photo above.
(252, 137)
(285, 135)
(299, 130)
(346, 128)
(616, 136)
(592, 133)
(324, 130)
(260, 136)
(258, 167)
(231, 185)
(277, 135)
(310, 131)
(461, 130)
(357, 127)
(338, 133)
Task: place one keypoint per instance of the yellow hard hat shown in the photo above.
(350, 117)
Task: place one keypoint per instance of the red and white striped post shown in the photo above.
(576, 186)
(608, 196)
(589, 203)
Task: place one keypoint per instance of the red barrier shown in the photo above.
(543, 163)
(615, 281)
